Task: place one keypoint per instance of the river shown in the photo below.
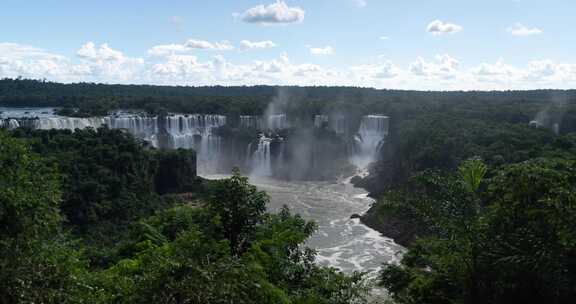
(340, 241)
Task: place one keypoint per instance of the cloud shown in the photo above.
(275, 13)
(383, 70)
(28, 61)
(180, 65)
(167, 49)
(497, 69)
(544, 73)
(21, 51)
(438, 27)
(205, 45)
(541, 69)
(102, 63)
(281, 71)
(90, 51)
(360, 3)
(93, 63)
(444, 66)
(191, 44)
(324, 51)
(519, 29)
(307, 69)
(247, 45)
(384, 38)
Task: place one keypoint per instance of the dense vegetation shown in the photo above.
(82, 221)
(301, 102)
(507, 238)
(485, 203)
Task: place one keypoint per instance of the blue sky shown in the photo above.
(409, 44)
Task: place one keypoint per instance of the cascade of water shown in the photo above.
(373, 129)
(336, 123)
(261, 158)
(320, 120)
(197, 132)
(17, 113)
(251, 122)
(277, 122)
(339, 124)
(68, 123)
(184, 131)
(144, 127)
(9, 123)
(141, 126)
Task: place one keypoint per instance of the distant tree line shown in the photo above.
(88, 99)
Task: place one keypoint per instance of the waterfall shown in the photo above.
(189, 131)
(277, 122)
(373, 129)
(261, 158)
(195, 131)
(9, 123)
(339, 124)
(144, 127)
(141, 126)
(68, 123)
(320, 120)
(273, 122)
(336, 123)
(251, 122)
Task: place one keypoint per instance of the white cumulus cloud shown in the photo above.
(383, 70)
(497, 69)
(321, 51)
(90, 51)
(444, 66)
(191, 44)
(102, 63)
(206, 45)
(519, 29)
(275, 13)
(27, 61)
(438, 27)
(167, 49)
(247, 44)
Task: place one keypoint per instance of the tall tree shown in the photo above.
(36, 265)
(240, 207)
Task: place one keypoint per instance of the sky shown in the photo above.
(394, 44)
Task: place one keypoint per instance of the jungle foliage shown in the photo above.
(88, 217)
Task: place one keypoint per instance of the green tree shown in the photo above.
(29, 196)
(472, 172)
(240, 207)
(36, 264)
(519, 247)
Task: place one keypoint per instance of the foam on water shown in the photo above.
(340, 241)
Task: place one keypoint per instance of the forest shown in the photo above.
(94, 216)
(483, 199)
(91, 99)
(485, 204)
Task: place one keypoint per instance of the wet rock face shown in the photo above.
(402, 230)
(356, 180)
